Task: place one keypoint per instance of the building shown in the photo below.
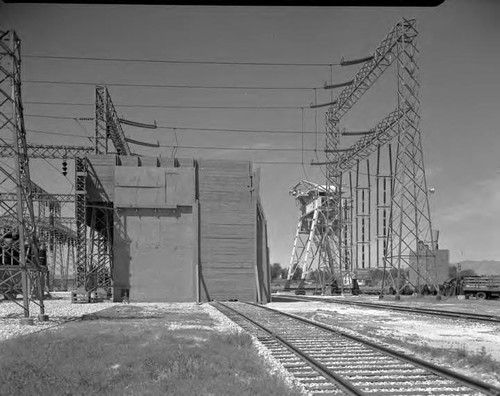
(182, 229)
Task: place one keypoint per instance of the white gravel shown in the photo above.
(59, 311)
(410, 328)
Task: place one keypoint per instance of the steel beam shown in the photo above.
(48, 151)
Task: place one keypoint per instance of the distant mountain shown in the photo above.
(483, 267)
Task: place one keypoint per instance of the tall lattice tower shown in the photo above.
(390, 210)
(20, 268)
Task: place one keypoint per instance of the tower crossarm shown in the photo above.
(372, 69)
(42, 196)
(383, 133)
(49, 151)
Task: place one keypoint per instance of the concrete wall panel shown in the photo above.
(161, 248)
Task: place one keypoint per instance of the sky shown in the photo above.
(460, 104)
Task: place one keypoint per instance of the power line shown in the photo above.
(170, 106)
(169, 85)
(235, 130)
(182, 62)
(56, 133)
(235, 148)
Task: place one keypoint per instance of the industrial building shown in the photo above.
(181, 229)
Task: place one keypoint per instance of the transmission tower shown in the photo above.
(19, 243)
(94, 240)
(401, 227)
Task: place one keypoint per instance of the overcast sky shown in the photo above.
(459, 63)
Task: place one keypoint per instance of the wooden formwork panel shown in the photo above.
(231, 166)
(227, 230)
(220, 212)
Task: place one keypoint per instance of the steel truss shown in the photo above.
(403, 228)
(49, 151)
(312, 245)
(94, 220)
(19, 244)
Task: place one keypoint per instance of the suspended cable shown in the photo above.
(235, 148)
(170, 106)
(168, 85)
(235, 130)
(56, 133)
(302, 151)
(182, 62)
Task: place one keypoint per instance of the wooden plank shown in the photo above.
(243, 197)
(229, 165)
(216, 230)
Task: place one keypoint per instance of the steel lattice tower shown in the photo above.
(403, 226)
(312, 244)
(23, 248)
(94, 221)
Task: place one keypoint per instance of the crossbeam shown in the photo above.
(49, 151)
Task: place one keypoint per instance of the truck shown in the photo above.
(482, 287)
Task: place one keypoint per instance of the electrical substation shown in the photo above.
(149, 228)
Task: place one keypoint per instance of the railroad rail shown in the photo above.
(330, 362)
(423, 311)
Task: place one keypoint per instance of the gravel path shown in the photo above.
(60, 311)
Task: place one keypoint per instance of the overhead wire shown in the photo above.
(171, 106)
(56, 133)
(235, 130)
(180, 86)
(302, 151)
(182, 62)
(235, 148)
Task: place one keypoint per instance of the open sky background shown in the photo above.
(459, 63)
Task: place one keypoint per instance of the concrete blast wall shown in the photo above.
(184, 230)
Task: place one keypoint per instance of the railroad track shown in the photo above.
(423, 311)
(329, 362)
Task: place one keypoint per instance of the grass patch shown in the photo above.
(136, 356)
